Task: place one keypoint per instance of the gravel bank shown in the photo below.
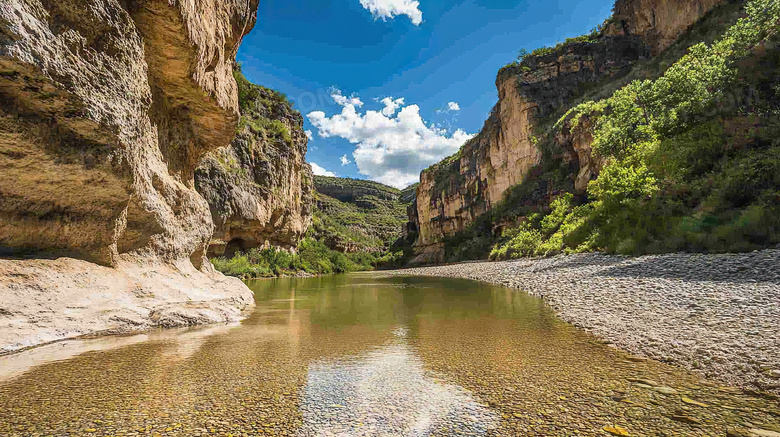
(716, 314)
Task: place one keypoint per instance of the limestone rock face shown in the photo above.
(532, 95)
(452, 194)
(108, 105)
(260, 188)
(580, 140)
(660, 22)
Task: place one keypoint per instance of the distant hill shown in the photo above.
(355, 215)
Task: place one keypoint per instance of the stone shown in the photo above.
(648, 382)
(690, 401)
(755, 432)
(136, 96)
(685, 419)
(616, 430)
(659, 22)
(108, 107)
(453, 193)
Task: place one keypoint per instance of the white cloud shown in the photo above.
(343, 100)
(391, 105)
(319, 171)
(309, 135)
(453, 106)
(385, 9)
(392, 148)
(345, 160)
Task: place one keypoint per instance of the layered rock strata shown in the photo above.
(107, 107)
(260, 188)
(532, 95)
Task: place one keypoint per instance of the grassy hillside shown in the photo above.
(357, 216)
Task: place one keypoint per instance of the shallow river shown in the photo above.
(363, 355)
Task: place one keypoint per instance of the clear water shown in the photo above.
(365, 355)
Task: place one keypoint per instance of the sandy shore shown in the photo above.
(718, 315)
(47, 300)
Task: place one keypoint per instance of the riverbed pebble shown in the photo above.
(718, 315)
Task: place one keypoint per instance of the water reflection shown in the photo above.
(388, 392)
(185, 342)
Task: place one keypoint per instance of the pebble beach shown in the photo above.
(718, 315)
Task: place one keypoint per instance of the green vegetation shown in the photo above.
(693, 157)
(262, 109)
(313, 257)
(361, 233)
(359, 186)
(528, 199)
(369, 216)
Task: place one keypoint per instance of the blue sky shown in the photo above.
(338, 59)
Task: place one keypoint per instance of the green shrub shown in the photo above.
(525, 242)
(671, 182)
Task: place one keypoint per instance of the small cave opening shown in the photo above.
(235, 245)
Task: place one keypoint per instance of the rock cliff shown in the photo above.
(517, 140)
(660, 22)
(260, 188)
(107, 107)
(453, 193)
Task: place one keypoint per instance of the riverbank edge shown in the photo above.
(43, 301)
(630, 310)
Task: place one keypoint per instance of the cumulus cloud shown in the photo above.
(392, 146)
(345, 160)
(309, 135)
(319, 171)
(391, 105)
(453, 106)
(343, 100)
(385, 9)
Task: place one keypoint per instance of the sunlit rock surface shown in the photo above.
(532, 96)
(259, 189)
(107, 107)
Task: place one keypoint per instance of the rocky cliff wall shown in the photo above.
(453, 193)
(532, 95)
(660, 22)
(107, 108)
(260, 188)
